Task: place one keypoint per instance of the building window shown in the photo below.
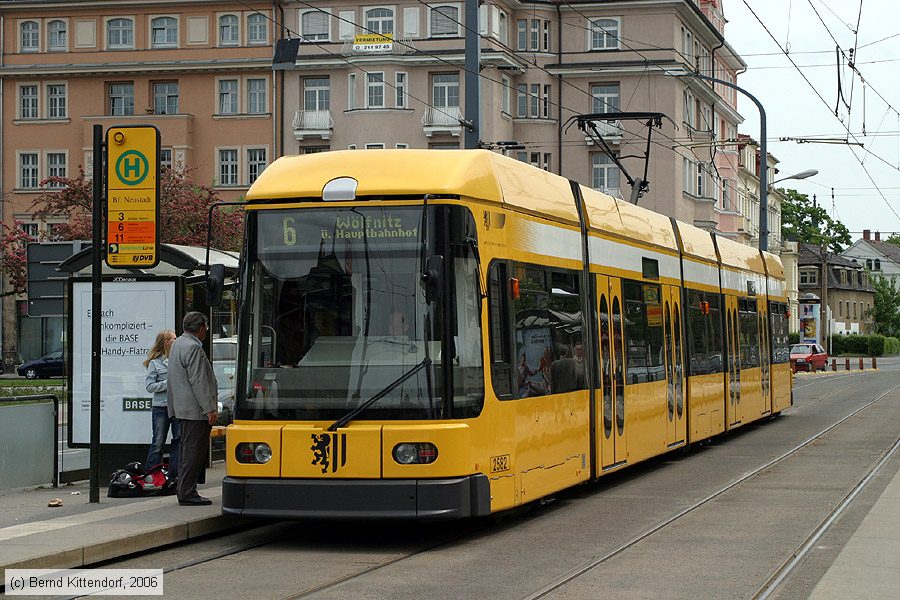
(228, 96)
(121, 99)
(522, 100)
(546, 46)
(809, 277)
(604, 34)
(56, 35)
(869, 264)
(351, 91)
(444, 21)
(545, 102)
(505, 96)
(228, 30)
(165, 158)
(400, 87)
(605, 98)
(535, 101)
(28, 170)
(522, 34)
(689, 176)
(56, 101)
(535, 33)
(375, 90)
(314, 149)
(165, 98)
(120, 34)
(375, 146)
(604, 173)
(256, 96)
(56, 167)
(256, 163)
(877, 264)
(401, 146)
(30, 40)
(314, 26)
(316, 93)
(30, 229)
(445, 90)
(163, 32)
(228, 166)
(380, 20)
(257, 29)
(28, 102)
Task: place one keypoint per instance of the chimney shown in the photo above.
(877, 236)
(867, 234)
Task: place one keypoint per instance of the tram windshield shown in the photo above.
(337, 311)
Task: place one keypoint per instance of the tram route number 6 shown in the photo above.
(290, 233)
(500, 463)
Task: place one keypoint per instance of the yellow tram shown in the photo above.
(440, 335)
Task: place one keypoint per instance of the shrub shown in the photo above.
(794, 338)
(891, 345)
(876, 345)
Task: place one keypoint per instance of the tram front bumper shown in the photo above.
(425, 499)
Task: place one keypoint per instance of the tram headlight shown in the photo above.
(253, 452)
(415, 453)
(262, 453)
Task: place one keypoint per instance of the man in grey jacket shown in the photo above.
(192, 395)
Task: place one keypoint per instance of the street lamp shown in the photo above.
(801, 175)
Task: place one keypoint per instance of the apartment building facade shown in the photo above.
(541, 65)
(199, 71)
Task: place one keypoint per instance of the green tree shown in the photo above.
(183, 204)
(886, 311)
(894, 239)
(801, 221)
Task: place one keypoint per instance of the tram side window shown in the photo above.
(781, 353)
(544, 328)
(498, 302)
(705, 323)
(645, 357)
(749, 333)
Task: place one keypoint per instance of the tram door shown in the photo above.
(675, 419)
(765, 354)
(732, 348)
(610, 396)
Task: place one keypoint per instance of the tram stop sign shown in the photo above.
(132, 196)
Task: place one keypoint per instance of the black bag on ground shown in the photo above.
(134, 481)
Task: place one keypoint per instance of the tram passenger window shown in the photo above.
(501, 369)
(779, 324)
(748, 334)
(705, 333)
(549, 356)
(643, 333)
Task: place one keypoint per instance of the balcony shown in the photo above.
(611, 131)
(313, 123)
(442, 121)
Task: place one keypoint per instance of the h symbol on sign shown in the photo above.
(131, 167)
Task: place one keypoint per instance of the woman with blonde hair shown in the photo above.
(157, 365)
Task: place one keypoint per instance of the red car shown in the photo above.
(808, 357)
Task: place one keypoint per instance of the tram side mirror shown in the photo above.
(215, 285)
(432, 278)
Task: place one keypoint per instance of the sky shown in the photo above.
(868, 108)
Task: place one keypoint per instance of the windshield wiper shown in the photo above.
(426, 362)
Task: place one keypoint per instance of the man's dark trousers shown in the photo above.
(192, 456)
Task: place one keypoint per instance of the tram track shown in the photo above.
(584, 568)
(775, 581)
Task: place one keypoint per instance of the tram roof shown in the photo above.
(478, 174)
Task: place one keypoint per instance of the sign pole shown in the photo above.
(96, 312)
